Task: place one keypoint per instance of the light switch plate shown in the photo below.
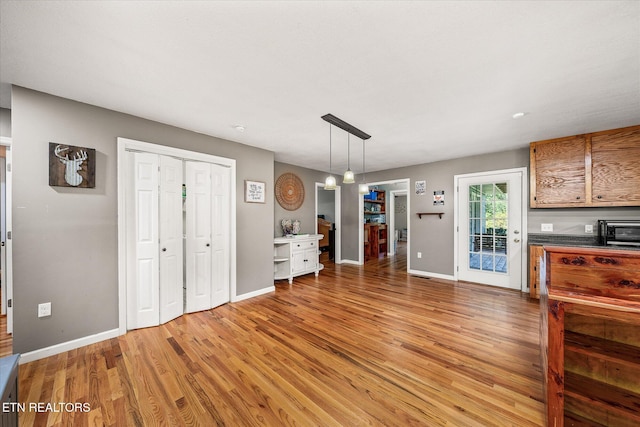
(588, 228)
(44, 309)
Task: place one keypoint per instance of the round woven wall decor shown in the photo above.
(289, 191)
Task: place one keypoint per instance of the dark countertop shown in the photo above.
(562, 239)
(573, 240)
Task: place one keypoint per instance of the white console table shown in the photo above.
(295, 256)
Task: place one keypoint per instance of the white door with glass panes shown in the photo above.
(490, 229)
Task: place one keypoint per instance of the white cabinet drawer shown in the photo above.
(301, 246)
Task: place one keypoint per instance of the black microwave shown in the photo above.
(619, 232)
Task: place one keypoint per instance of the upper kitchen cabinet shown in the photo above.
(591, 170)
(558, 175)
(615, 167)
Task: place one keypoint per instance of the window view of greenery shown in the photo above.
(488, 226)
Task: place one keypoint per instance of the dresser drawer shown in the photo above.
(613, 276)
(301, 246)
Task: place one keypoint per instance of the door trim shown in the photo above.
(7, 272)
(524, 284)
(124, 145)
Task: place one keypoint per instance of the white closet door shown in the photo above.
(198, 231)
(143, 267)
(220, 234)
(171, 253)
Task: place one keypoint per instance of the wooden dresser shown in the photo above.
(590, 336)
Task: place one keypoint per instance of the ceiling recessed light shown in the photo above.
(239, 128)
(518, 115)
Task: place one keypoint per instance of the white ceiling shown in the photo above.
(428, 80)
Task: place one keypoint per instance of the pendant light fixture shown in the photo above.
(330, 182)
(363, 188)
(348, 175)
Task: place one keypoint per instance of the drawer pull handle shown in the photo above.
(602, 260)
(575, 261)
(629, 283)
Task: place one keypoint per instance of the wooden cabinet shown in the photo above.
(295, 256)
(596, 169)
(375, 206)
(615, 166)
(375, 240)
(536, 252)
(590, 336)
(375, 230)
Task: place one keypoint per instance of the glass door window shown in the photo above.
(488, 227)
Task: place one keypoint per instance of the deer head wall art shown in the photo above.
(71, 166)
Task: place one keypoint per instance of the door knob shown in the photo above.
(516, 240)
(208, 244)
(516, 231)
(164, 249)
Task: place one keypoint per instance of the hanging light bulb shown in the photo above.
(348, 175)
(330, 181)
(363, 188)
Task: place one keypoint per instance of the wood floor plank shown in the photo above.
(358, 345)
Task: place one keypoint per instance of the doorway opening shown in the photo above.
(384, 216)
(328, 213)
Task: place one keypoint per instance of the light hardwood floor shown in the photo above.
(356, 346)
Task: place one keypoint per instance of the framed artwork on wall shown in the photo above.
(71, 166)
(254, 191)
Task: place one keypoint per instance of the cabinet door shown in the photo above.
(297, 262)
(558, 173)
(615, 160)
(311, 259)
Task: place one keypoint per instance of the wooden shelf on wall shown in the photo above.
(430, 213)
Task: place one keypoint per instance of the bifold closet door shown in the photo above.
(143, 268)
(171, 232)
(220, 232)
(207, 235)
(154, 240)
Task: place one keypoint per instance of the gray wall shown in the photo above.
(306, 213)
(65, 239)
(5, 122)
(400, 214)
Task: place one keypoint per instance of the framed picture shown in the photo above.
(254, 191)
(71, 166)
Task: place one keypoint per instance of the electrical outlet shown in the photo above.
(44, 309)
(546, 227)
(588, 228)
(419, 254)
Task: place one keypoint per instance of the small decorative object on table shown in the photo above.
(290, 227)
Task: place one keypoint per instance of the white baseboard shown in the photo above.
(254, 294)
(67, 346)
(434, 275)
(349, 261)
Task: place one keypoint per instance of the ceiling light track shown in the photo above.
(345, 126)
